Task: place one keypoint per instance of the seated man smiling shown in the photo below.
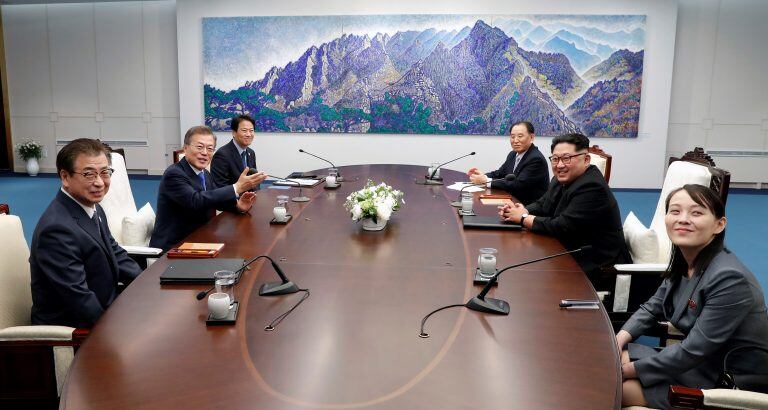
(578, 209)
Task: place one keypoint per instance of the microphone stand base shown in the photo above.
(300, 199)
(427, 182)
(488, 305)
(278, 288)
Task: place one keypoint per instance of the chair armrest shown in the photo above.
(734, 399)
(685, 398)
(142, 250)
(630, 268)
(42, 332)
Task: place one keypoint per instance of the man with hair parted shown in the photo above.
(525, 161)
(232, 158)
(188, 197)
(75, 262)
(578, 209)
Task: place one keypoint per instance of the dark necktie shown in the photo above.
(244, 155)
(202, 179)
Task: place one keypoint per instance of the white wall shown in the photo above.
(100, 70)
(277, 153)
(720, 85)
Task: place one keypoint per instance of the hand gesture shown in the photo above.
(245, 202)
(247, 182)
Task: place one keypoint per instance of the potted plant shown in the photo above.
(374, 205)
(30, 151)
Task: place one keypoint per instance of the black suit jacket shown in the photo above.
(183, 205)
(583, 213)
(227, 165)
(532, 176)
(75, 266)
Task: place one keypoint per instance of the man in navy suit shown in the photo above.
(232, 158)
(74, 260)
(525, 162)
(188, 197)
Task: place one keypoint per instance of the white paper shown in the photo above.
(459, 185)
(295, 181)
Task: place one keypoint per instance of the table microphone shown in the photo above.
(339, 178)
(431, 180)
(301, 197)
(497, 306)
(268, 289)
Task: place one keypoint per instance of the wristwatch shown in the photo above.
(522, 218)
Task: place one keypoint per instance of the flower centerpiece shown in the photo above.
(374, 204)
(30, 151)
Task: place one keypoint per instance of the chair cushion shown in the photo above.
(15, 290)
(735, 399)
(137, 228)
(599, 162)
(643, 243)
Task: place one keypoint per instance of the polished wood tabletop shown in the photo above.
(354, 343)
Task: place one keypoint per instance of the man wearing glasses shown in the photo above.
(525, 161)
(74, 260)
(578, 209)
(188, 197)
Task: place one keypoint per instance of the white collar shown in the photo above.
(88, 210)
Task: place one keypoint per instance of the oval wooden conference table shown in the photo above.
(355, 342)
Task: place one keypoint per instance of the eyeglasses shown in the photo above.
(202, 148)
(565, 158)
(90, 176)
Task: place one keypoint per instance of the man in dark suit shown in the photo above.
(74, 260)
(525, 162)
(188, 197)
(232, 158)
(578, 209)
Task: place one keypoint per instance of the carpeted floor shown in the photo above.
(29, 196)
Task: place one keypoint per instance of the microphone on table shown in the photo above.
(301, 197)
(457, 202)
(497, 306)
(432, 180)
(339, 178)
(283, 287)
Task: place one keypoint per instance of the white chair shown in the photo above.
(651, 248)
(34, 359)
(130, 227)
(601, 160)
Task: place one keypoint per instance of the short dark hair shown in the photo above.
(579, 140)
(527, 124)
(198, 129)
(65, 159)
(709, 199)
(235, 123)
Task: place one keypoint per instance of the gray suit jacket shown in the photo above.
(728, 310)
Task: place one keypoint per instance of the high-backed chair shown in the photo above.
(601, 160)
(130, 227)
(34, 360)
(651, 248)
(178, 155)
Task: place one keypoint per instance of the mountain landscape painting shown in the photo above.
(426, 74)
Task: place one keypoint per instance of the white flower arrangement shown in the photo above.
(374, 201)
(29, 149)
